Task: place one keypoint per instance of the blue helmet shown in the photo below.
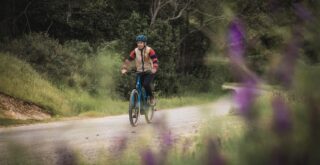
(142, 38)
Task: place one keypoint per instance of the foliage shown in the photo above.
(20, 80)
(176, 41)
(46, 55)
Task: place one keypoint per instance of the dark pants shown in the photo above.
(146, 80)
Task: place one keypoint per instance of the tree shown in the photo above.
(176, 9)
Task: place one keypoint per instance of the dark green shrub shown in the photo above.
(46, 55)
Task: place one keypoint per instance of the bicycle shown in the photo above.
(139, 103)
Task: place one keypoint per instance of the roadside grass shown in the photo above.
(226, 137)
(227, 132)
(88, 106)
(4, 121)
(19, 154)
(20, 80)
(9, 122)
(187, 100)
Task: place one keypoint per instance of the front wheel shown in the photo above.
(148, 114)
(134, 108)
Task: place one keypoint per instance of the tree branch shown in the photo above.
(174, 17)
(28, 23)
(156, 6)
(203, 28)
(22, 13)
(181, 11)
(25, 14)
(47, 31)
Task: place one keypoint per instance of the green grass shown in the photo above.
(89, 106)
(229, 131)
(9, 122)
(186, 100)
(20, 80)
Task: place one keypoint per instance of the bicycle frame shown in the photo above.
(139, 102)
(142, 96)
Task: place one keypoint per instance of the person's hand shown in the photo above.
(124, 71)
(153, 70)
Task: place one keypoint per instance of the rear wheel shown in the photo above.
(134, 108)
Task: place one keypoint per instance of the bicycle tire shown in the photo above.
(148, 114)
(134, 108)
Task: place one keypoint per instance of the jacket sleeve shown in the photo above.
(132, 55)
(154, 59)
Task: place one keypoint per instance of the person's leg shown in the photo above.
(147, 82)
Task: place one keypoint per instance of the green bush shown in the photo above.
(102, 70)
(205, 79)
(74, 64)
(46, 55)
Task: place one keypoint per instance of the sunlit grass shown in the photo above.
(20, 80)
(94, 107)
(186, 100)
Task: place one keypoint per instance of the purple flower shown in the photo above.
(282, 118)
(236, 41)
(148, 158)
(244, 98)
(236, 47)
(164, 133)
(245, 95)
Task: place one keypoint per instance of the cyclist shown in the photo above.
(146, 61)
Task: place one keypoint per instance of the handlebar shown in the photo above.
(136, 72)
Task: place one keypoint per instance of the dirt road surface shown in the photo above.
(89, 136)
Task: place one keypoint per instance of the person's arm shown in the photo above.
(127, 62)
(154, 59)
